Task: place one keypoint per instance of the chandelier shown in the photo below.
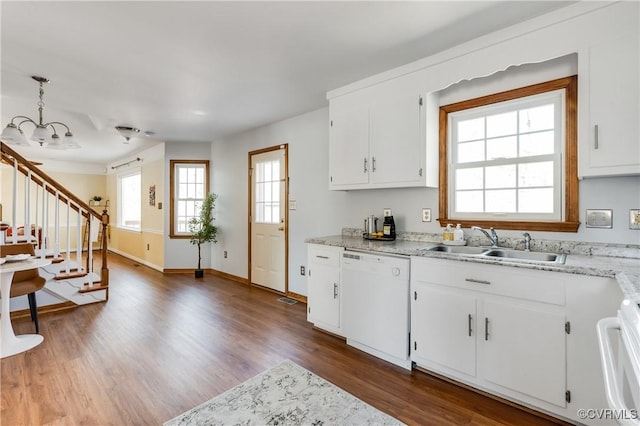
(43, 133)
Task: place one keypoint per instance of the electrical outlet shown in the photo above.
(426, 215)
(634, 219)
(225, 254)
(386, 212)
(147, 246)
(599, 218)
(302, 271)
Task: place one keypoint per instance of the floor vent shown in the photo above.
(287, 301)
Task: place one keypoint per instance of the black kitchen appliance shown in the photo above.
(389, 227)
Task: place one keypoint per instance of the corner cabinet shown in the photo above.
(522, 334)
(379, 138)
(610, 142)
(324, 287)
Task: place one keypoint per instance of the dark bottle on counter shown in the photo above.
(389, 227)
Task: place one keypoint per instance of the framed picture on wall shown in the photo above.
(152, 195)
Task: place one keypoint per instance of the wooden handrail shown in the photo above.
(24, 165)
(9, 156)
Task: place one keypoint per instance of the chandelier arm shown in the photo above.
(56, 122)
(26, 119)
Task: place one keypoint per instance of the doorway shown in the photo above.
(269, 218)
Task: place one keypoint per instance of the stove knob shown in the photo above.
(395, 271)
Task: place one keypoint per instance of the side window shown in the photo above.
(129, 200)
(189, 186)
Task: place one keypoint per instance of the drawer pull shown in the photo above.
(486, 328)
(322, 257)
(596, 137)
(473, 280)
(470, 319)
(335, 290)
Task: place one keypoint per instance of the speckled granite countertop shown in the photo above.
(602, 260)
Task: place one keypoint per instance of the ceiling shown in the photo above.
(199, 71)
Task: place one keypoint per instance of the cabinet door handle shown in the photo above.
(470, 319)
(596, 137)
(365, 165)
(373, 164)
(486, 328)
(335, 290)
(322, 257)
(473, 280)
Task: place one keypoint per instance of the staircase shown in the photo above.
(46, 214)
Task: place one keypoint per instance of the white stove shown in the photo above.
(622, 373)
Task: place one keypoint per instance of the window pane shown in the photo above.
(501, 201)
(537, 144)
(469, 201)
(501, 176)
(535, 174)
(502, 148)
(469, 178)
(539, 200)
(538, 118)
(471, 151)
(275, 194)
(130, 200)
(469, 130)
(276, 170)
(502, 124)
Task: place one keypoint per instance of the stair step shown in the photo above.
(95, 286)
(55, 259)
(70, 275)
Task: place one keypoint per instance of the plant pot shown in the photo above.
(199, 273)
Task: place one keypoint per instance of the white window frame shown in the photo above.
(175, 165)
(122, 204)
(557, 98)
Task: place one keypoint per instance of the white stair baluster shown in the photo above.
(56, 243)
(27, 207)
(14, 210)
(45, 220)
(68, 248)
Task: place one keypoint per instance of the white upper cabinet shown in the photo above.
(378, 137)
(611, 144)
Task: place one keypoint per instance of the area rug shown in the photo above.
(284, 395)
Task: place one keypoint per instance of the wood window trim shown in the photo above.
(571, 220)
(172, 192)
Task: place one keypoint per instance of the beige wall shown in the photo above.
(146, 245)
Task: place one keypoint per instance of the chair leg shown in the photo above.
(33, 307)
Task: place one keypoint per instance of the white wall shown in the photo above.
(322, 212)
(319, 211)
(180, 253)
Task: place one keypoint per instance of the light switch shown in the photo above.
(599, 218)
(293, 205)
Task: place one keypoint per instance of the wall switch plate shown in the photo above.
(225, 254)
(426, 215)
(293, 204)
(302, 271)
(634, 219)
(599, 218)
(386, 212)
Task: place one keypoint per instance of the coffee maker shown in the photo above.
(389, 228)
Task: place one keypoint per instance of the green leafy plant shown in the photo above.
(201, 227)
(96, 198)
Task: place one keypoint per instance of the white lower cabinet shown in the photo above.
(324, 290)
(523, 348)
(443, 327)
(522, 334)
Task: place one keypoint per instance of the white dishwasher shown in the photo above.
(375, 305)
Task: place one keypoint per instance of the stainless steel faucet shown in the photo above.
(527, 241)
(493, 237)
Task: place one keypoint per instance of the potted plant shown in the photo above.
(202, 229)
(95, 200)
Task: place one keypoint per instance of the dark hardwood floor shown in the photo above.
(163, 344)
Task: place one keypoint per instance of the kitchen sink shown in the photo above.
(531, 256)
(503, 254)
(457, 249)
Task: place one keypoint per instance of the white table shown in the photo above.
(10, 344)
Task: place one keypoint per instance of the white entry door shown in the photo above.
(268, 219)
